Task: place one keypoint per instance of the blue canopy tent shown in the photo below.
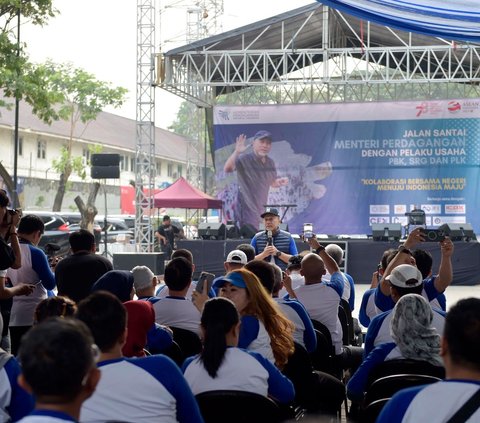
(455, 20)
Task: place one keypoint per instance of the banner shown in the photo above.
(347, 166)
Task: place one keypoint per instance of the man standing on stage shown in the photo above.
(166, 234)
(273, 244)
(256, 173)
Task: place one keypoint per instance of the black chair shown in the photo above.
(342, 316)
(299, 370)
(315, 391)
(387, 386)
(352, 339)
(405, 366)
(174, 352)
(238, 407)
(372, 410)
(323, 358)
(188, 341)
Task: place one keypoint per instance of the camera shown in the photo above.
(8, 217)
(434, 235)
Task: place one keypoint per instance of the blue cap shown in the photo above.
(262, 134)
(235, 278)
(270, 210)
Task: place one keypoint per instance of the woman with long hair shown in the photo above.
(222, 366)
(264, 329)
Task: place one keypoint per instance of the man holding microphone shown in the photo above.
(273, 244)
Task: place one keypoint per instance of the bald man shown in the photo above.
(321, 299)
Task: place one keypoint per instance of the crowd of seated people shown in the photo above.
(145, 349)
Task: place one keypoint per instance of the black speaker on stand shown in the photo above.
(232, 231)
(459, 231)
(208, 230)
(386, 231)
(105, 166)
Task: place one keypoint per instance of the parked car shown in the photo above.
(56, 231)
(97, 231)
(115, 227)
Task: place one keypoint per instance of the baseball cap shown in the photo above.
(235, 278)
(270, 210)
(405, 276)
(237, 256)
(262, 134)
(142, 277)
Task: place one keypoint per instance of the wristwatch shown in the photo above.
(403, 249)
(320, 249)
(278, 253)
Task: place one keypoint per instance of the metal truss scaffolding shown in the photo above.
(145, 127)
(316, 54)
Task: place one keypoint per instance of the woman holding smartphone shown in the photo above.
(264, 328)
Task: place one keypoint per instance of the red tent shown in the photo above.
(182, 195)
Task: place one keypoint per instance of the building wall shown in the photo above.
(38, 180)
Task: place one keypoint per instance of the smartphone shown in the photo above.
(205, 276)
(307, 231)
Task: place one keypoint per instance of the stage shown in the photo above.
(362, 256)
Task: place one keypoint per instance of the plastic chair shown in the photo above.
(299, 370)
(188, 341)
(323, 358)
(174, 352)
(342, 316)
(238, 407)
(372, 411)
(405, 366)
(387, 386)
(352, 339)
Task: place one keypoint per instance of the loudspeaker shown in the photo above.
(247, 231)
(458, 231)
(105, 166)
(232, 232)
(105, 159)
(208, 230)
(386, 231)
(105, 172)
(127, 261)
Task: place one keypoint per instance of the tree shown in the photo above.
(83, 97)
(19, 78)
(183, 122)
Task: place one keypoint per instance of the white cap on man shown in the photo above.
(237, 256)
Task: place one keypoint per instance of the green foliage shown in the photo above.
(18, 77)
(184, 124)
(39, 201)
(65, 163)
(83, 96)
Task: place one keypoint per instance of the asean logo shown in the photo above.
(454, 106)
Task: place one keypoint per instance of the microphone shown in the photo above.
(269, 238)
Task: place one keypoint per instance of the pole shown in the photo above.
(105, 230)
(16, 141)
